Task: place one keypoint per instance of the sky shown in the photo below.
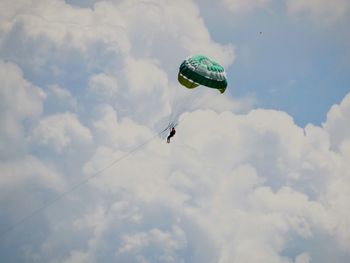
(260, 173)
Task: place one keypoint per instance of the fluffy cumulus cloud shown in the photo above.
(59, 98)
(21, 171)
(89, 87)
(245, 6)
(20, 101)
(60, 131)
(228, 185)
(318, 11)
(103, 36)
(336, 124)
(119, 133)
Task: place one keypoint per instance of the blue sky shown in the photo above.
(258, 174)
(295, 65)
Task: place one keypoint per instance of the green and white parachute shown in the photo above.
(201, 70)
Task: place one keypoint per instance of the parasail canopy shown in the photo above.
(201, 70)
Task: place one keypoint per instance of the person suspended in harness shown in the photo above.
(172, 133)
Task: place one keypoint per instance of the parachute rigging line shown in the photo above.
(78, 185)
(95, 175)
(198, 70)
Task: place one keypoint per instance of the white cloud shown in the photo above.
(19, 98)
(26, 184)
(234, 175)
(61, 22)
(103, 87)
(144, 84)
(320, 11)
(303, 258)
(227, 185)
(245, 5)
(60, 92)
(18, 172)
(337, 123)
(169, 30)
(60, 131)
(169, 241)
(20, 101)
(60, 99)
(78, 257)
(110, 48)
(120, 134)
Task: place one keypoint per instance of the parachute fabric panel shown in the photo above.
(186, 82)
(201, 70)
